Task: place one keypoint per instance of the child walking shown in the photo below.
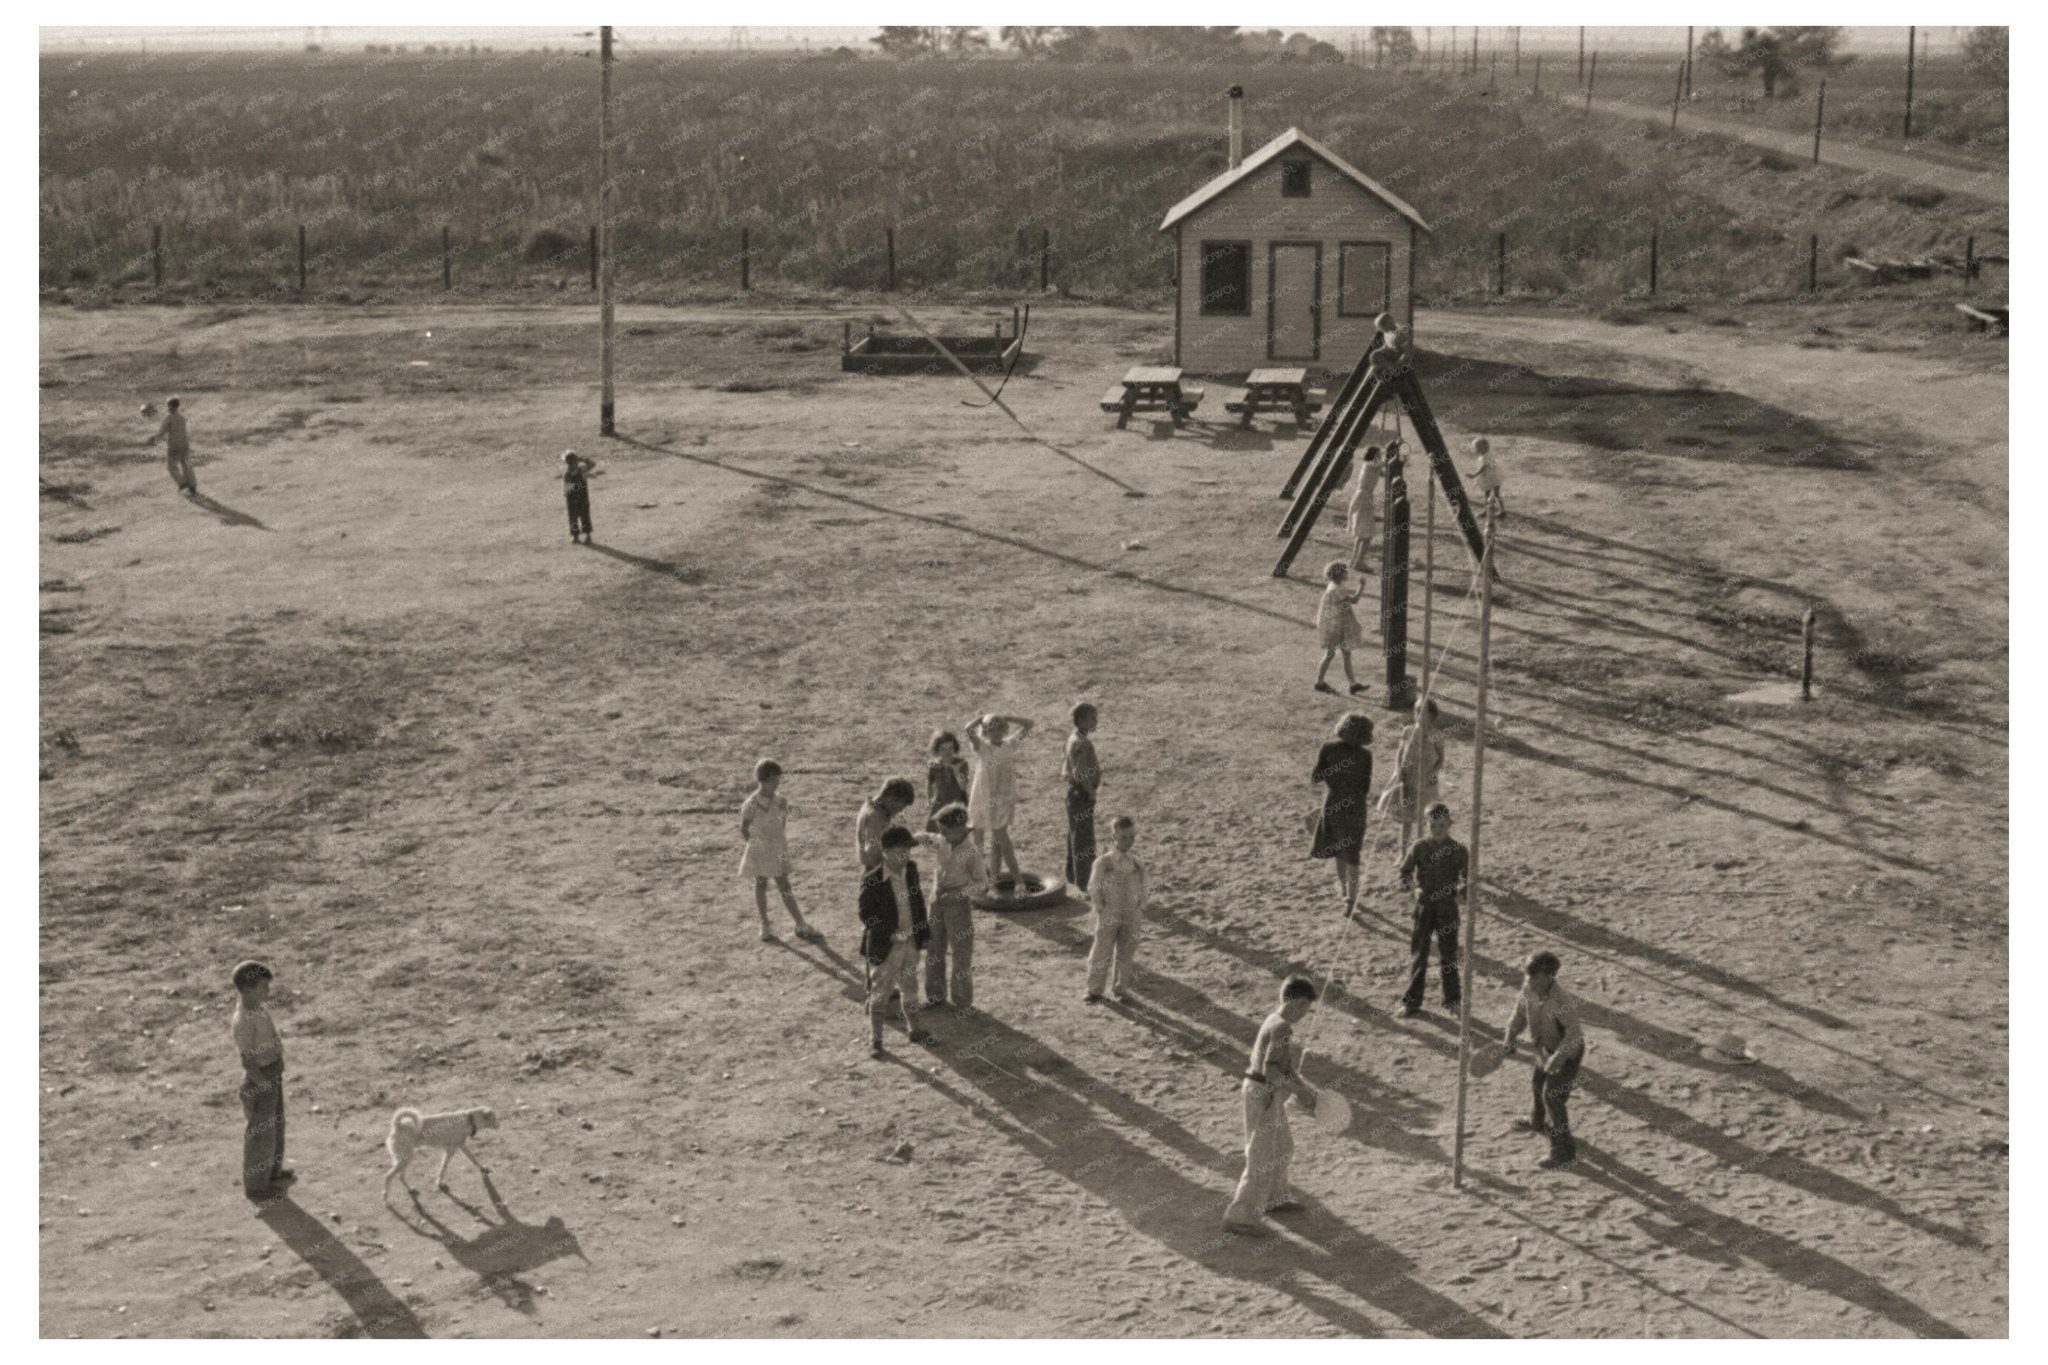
(177, 448)
(945, 780)
(1268, 1145)
(764, 818)
(894, 928)
(263, 1170)
(1118, 884)
(1337, 626)
(575, 474)
(992, 796)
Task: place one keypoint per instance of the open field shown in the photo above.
(816, 160)
(472, 791)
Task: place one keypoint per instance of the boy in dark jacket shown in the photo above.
(894, 929)
(575, 472)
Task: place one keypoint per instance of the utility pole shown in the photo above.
(1582, 54)
(604, 226)
(1910, 32)
(1688, 62)
(1518, 50)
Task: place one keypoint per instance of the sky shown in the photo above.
(1535, 38)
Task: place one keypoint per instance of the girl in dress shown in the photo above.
(1337, 627)
(945, 781)
(992, 796)
(1358, 519)
(764, 817)
(1344, 767)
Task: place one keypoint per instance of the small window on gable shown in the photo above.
(1294, 179)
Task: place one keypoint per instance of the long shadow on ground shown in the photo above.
(1049, 1107)
(501, 1250)
(381, 1313)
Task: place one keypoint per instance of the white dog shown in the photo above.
(412, 1130)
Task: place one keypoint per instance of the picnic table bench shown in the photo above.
(1151, 388)
(1996, 320)
(1272, 390)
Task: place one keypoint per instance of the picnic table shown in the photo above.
(1272, 390)
(1151, 388)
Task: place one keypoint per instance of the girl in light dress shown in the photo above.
(764, 818)
(992, 796)
(1358, 518)
(1337, 627)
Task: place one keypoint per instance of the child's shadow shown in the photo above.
(503, 1249)
(227, 514)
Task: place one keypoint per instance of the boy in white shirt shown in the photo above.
(1116, 886)
(960, 871)
(263, 1170)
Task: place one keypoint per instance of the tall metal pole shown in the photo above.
(1820, 107)
(1472, 862)
(604, 226)
(1412, 813)
(1910, 32)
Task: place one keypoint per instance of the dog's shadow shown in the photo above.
(505, 1249)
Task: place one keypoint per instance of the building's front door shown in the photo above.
(1294, 310)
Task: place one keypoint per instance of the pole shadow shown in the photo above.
(229, 516)
(498, 1254)
(995, 537)
(380, 1312)
(1695, 1229)
(658, 566)
(1047, 1106)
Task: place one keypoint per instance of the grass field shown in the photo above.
(473, 791)
(376, 155)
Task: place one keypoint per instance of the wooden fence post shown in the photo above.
(447, 262)
(1813, 264)
(156, 253)
(302, 258)
(1819, 108)
(746, 247)
(892, 256)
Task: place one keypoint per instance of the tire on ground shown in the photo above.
(1026, 891)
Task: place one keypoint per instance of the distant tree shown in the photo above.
(964, 41)
(904, 40)
(1393, 45)
(1073, 44)
(1985, 53)
(1324, 54)
(1031, 41)
(1773, 53)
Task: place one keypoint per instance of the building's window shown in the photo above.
(1294, 179)
(1365, 278)
(1226, 279)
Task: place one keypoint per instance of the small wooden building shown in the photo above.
(1287, 258)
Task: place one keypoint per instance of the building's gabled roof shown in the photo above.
(1287, 141)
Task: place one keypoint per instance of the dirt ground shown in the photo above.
(472, 790)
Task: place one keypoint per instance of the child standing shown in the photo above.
(263, 1170)
(764, 818)
(992, 796)
(945, 780)
(1119, 897)
(177, 448)
(893, 929)
(1486, 476)
(575, 474)
(1337, 626)
(959, 874)
(1359, 516)
(1084, 775)
(1268, 1145)
(877, 814)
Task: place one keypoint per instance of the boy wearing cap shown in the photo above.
(1268, 1145)
(960, 872)
(575, 473)
(263, 1171)
(1553, 1019)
